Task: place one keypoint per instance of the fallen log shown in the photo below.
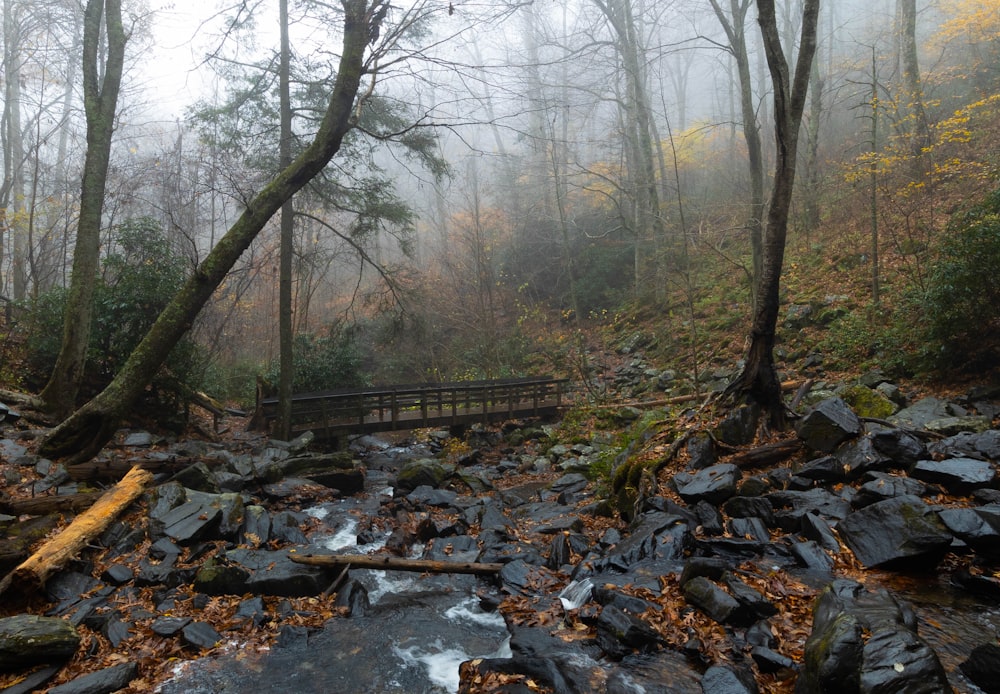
(61, 549)
(43, 505)
(768, 454)
(387, 563)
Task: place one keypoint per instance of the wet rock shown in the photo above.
(957, 475)
(723, 679)
(709, 518)
(701, 451)
(817, 529)
(866, 642)
(979, 528)
(619, 633)
(296, 489)
(791, 505)
(860, 456)
(426, 495)
(902, 447)
(273, 573)
(919, 413)
(110, 679)
(770, 662)
(883, 486)
(169, 626)
(569, 484)
(982, 667)
(896, 532)
(714, 484)
(286, 526)
(201, 635)
(949, 426)
(749, 528)
(27, 640)
(425, 471)
(826, 468)
(828, 424)
(811, 556)
(198, 477)
(739, 426)
(664, 672)
(657, 536)
(750, 507)
(353, 596)
(191, 521)
(715, 602)
(256, 529)
(219, 577)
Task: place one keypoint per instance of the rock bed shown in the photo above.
(727, 579)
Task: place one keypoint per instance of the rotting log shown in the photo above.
(61, 549)
(768, 454)
(387, 563)
(43, 505)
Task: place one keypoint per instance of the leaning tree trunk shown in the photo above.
(758, 382)
(86, 431)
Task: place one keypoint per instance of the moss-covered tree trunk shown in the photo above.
(759, 379)
(100, 101)
(86, 431)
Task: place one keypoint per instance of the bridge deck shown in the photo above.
(333, 414)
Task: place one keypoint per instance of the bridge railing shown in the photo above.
(384, 408)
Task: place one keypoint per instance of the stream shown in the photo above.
(420, 627)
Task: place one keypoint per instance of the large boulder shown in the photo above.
(896, 532)
(867, 642)
(27, 640)
(828, 424)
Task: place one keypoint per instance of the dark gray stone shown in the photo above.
(619, 633)
(110, 679)
(739, 427)
(199, 478)
(714, 484)
(957, 475)
(117, 574)
(826, 468)
(749, 528)
(715, 602)
(27, 640)
(750, 507)
(828, 424)
(817, 529)
(859, 456)
(902, 447)
(884, 487)
(723, 679)
(201, 635)
(169, 626)
(426, 471)
(191, 521)
(982, 667)
(896, 532)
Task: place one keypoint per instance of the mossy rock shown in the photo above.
(632, 479)
(869, 403)
(26, 640)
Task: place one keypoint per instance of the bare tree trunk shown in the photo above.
(286, 368)
(735, 27)
(100, 96)
(758, 382)
(84, 433)
(912, 86)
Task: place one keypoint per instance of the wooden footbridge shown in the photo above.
(335, 414)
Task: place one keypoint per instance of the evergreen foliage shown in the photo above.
(138, 277)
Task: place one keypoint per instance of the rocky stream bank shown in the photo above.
(856, 555)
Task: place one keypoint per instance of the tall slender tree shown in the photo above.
(734, 25)
(758, 381)
(104, 40)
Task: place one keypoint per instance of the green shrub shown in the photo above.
(962, 299)
(325, 362)
(139, 278)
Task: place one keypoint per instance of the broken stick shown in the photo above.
(57, 552)
(386, 563)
